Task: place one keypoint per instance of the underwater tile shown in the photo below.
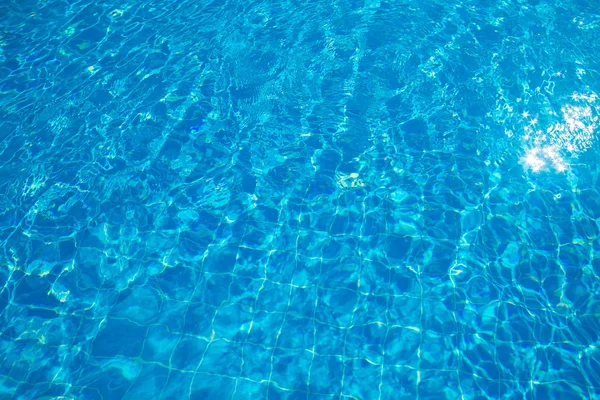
(439, 352)
(222, 358)
(402, 345)
(273, 297)
(206, 386)
(119, 337)
(263, 330)
(326, 375)
(246, 388)
(187, 353)
(303, 301)
(138, 304)
(296, 333)
(232, 322)
(336, 306)
(220, 259)
(291, 367)
(159, 344)
(366, 341)
(361, 379)
(212, 289)
(257, 362)
(329, 339)
(398, 382)
(151, 380)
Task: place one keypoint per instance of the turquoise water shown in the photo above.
(299, 200)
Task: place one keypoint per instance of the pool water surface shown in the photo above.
(299, 199)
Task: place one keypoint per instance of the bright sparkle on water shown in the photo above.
(574, 134)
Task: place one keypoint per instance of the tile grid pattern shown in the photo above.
(279, 217)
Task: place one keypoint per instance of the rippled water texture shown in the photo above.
(299, 200)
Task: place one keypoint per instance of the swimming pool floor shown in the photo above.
(299, 199)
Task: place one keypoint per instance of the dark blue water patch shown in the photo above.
(125, 339)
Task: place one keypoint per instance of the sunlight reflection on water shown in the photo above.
(565, 140)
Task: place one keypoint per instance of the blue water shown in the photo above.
(300, 199)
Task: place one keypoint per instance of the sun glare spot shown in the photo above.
(562, 140)
(542, 158)
(533, 161)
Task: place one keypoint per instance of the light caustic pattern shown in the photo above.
(252, 199)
